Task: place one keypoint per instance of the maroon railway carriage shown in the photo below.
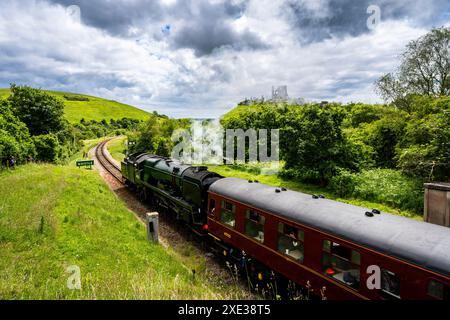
(330, 244)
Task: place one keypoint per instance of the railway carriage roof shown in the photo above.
(420, 243)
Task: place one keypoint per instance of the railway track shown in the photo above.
(106, 163)
(169, 228)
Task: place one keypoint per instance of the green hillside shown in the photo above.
(54, 217)
(94, 109)
(117, 148)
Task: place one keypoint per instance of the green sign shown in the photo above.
(85, 163)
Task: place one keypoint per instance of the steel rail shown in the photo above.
(106, 163)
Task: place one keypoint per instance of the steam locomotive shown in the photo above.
(294, 245)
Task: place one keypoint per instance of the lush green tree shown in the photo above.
(424, 70)
(314, 144)
(154, 135)
(424, 150)
(358, 114)
(383, 136)
(15, 139)
(163, 146)
(41, 112)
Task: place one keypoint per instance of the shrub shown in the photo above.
(47, 147)
(343, 183)
(75, 98)
(390, 187)
(415, 161)
(383, 136)
(9, 146)
(15, 139)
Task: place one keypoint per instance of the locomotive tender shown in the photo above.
(302, 242)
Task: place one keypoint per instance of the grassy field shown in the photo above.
(54, 217)
(4, 93)
(273, 180)
(94, 109)
(117, 148)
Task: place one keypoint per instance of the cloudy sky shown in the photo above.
(198, 58)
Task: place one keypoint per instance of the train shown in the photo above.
(294, 245)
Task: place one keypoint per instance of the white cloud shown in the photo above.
(41, 46)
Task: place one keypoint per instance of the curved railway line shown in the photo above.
(106, 162)
(169, 228)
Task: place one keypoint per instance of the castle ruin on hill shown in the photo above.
(279, 95)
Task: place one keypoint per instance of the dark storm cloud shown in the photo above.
(205, 37)
(116, 17)
(200, 25)
(190, 9)
(315, 22)
(208, 29)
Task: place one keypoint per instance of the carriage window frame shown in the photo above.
(257, 220)
(349, 259)
(228, 209)
(297, 238)
(390, 294)
(443, 287)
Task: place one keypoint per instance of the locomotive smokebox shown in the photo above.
(437, 203)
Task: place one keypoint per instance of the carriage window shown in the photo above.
(254, 225)
(341, 263)
(290, 241)
(435, 289)
(438, 290)
(390, 284)
(228, 213)
(327, 246)
(212, 206)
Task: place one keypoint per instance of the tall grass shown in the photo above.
(390, 187)
(54, 217)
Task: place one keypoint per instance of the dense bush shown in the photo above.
(75, 98)
(390, 187)
(386, 186)
(383, 135)
(343, 183)
(95, 129)
(47, 147)
(15, 140)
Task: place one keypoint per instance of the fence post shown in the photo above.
(153, 227)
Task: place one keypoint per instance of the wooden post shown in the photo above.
(153, 227)
(437, 203)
